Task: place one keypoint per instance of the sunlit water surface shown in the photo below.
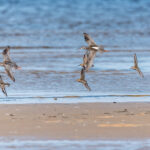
(74, 145)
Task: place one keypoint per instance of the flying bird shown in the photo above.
(92, 48)
(91, 57)
(82, 79)
(92, 45)
(2, 85)
(8, 63)
(136, 67)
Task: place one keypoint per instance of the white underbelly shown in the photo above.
(96, 48)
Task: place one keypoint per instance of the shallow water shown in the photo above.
(46, 74)
(6, 144)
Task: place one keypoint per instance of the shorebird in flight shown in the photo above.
(82, 79)
(92, 48)
(8, 64)
(136, 67)
(2, 85)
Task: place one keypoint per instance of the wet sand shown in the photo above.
(109, 121)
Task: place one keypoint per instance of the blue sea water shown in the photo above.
(74, 144)
(114, 23)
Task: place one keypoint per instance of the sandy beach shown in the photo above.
(88, 121)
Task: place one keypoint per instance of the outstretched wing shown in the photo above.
(91, 57)
(82, 74)
(140, 72)
(9, 72)
(6, 54)
(85, 59)
(135, 61)
(89, 40)
(87, 86)
(1, 80)
(2, 85)
(4, 90)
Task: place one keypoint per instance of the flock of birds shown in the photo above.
(8, 65)
(89, 56)
(88, 59)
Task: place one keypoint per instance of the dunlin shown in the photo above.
(8, 64)
(92, 46)
(136, 67)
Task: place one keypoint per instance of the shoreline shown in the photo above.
(83, 121)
